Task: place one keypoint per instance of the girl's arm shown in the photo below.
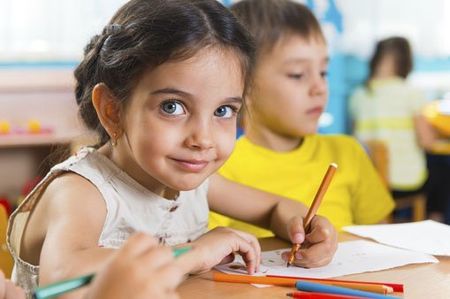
(281, 215)
(75, 213)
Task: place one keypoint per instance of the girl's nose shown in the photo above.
(201, 137)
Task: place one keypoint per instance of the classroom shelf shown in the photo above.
(29, 140)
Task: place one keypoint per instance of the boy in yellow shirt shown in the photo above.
(281, 152)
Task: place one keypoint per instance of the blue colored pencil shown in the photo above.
(322, 288)
(65, 286)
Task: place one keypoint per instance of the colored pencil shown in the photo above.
(396, 287)
(330, 289)
(314, 207)
(291, 282)
(65, 286)
(315, 295)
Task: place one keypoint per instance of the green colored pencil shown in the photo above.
(65, 286)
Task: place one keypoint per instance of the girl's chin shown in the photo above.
(187, 185)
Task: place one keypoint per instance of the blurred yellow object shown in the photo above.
(438, 117)
(5, 127)
(34, 126)
(6, 260)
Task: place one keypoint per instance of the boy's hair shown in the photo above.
(270, 20)
(144, 34)
(400, 50)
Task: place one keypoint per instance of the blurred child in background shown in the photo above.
(281, 152)
(387, 109)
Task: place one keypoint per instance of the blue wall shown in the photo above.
(347, 72)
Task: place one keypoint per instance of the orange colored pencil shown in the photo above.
(290, 282)
(314, 207)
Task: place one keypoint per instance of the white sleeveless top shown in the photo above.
(130, 208)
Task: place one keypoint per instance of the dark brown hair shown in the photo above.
(400, 50)
(146, 33)
(270, 20)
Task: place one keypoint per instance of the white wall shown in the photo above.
(59, 29)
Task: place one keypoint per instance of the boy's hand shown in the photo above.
(318, 246)
(218, 247)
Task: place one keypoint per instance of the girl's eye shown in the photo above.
(224, 111)
(324, 74)
(172, 108)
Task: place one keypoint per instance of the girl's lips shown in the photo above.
(191, 165)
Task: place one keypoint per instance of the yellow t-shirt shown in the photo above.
(356, 194)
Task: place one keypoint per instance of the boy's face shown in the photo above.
(290, 88)
(181, 121)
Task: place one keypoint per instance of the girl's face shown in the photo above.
(290, 88)
(180, 124)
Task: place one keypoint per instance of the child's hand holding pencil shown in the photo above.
(316, 248)
(314, 238)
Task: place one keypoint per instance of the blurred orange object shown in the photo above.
(4, 201)
(438, 115)
(34, 126)
(5, 127)
(6, 260)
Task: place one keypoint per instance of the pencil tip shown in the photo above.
(287, 265)
(289, 295)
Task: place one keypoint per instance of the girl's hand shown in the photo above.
(218, 247)
(8, 290)
(141, 268)
(318, 246)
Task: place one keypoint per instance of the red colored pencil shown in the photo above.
(313, 295)
(395, 286)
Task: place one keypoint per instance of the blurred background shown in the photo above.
(41, 42)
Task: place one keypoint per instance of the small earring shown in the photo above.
(114, 139)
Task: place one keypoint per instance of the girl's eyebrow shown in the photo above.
(238, 100)
(170, 90)
(178, 92)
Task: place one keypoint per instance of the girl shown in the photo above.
(162, 86)
(388, 109)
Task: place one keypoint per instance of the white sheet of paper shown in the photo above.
(424, 236)
(351, 257)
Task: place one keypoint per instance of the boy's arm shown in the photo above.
(253, 206)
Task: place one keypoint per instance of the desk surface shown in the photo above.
(429, 281)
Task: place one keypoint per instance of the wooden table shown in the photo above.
(422, 281)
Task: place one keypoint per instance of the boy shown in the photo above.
(280, 152)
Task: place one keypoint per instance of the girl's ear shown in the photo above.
(108, 110)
